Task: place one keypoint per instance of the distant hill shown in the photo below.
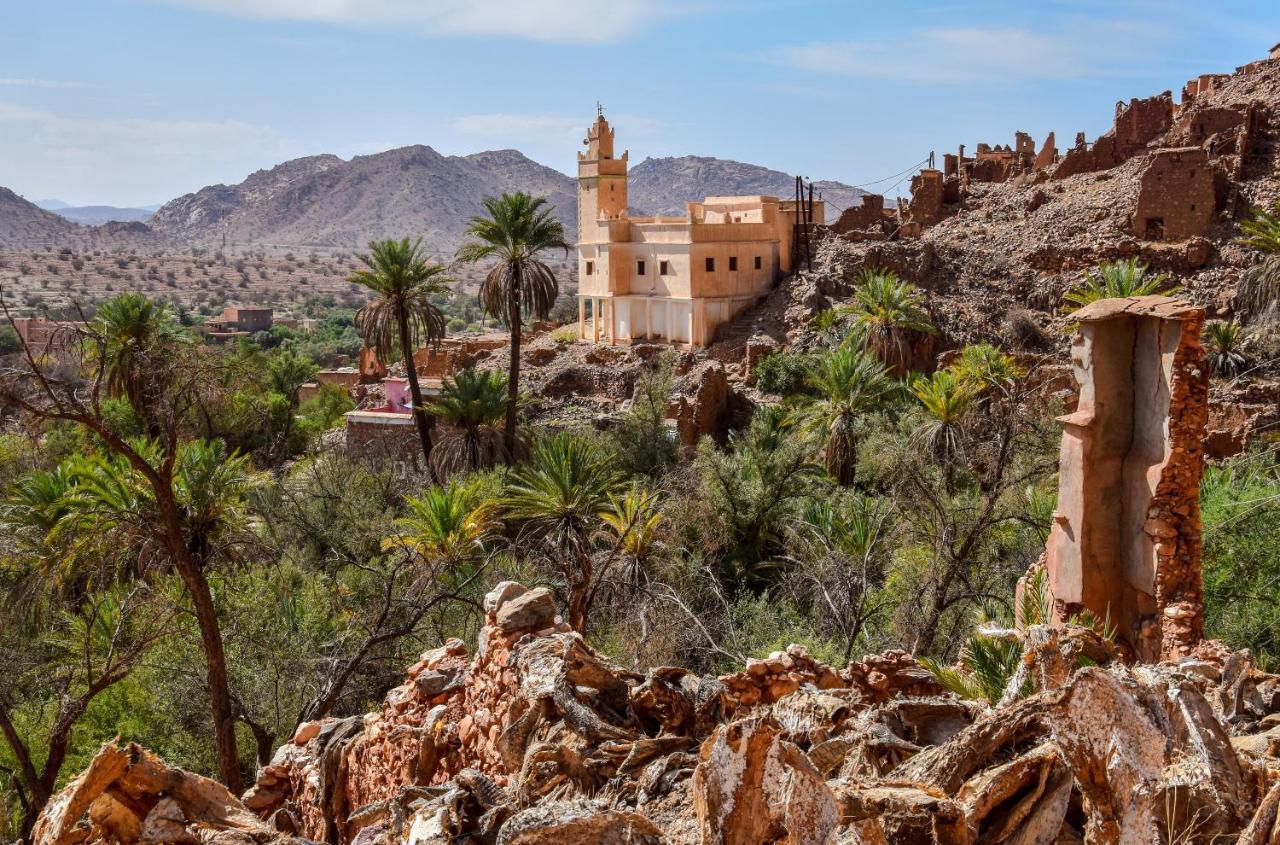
(53, 205)
(664, 185)
(94, 215)
(326, 201)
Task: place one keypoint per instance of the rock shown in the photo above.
(504, 592)
(306, 732)
(528, 611)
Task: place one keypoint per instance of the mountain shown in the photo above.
(326, 201)
(664, 185)
(93, 215)
(52, 205)
(24, 224)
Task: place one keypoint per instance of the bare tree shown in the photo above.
(75, 655)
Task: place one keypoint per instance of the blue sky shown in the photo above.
(132, 102)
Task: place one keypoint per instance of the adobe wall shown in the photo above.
(1141, 122)
(1176, 199)
(1125, 541)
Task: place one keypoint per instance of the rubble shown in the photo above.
(537, 738)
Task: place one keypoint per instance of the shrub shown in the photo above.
(782, 373)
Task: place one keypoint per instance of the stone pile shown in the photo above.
(539, 739)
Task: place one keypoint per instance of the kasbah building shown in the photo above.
(671, 278)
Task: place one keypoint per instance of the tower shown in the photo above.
(602, 180)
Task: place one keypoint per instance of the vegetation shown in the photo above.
(186, 561)
(888, 311)
(517, 231)
(1223, 340)
(1114, 279)
(1258, 295)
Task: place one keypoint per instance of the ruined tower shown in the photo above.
(1125, 541)
(602, 181)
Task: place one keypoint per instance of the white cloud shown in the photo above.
(963, 55)
(577, 21)
(129, 161)
(41, 83)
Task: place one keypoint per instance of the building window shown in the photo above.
(711, 265)
(590, 267)
(759, 262)
(733, 263)
(664, 268)
(639, 268)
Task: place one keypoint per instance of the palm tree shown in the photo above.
(130, 327)
(1259, 290)
(987, 368)
(1119, 279)
(887, 310)
(471, 404)
(1224, 357)
(849, 383)
(517, 230)
(402, 313)
(635, 520)
(556, 497)
(109, 518)
(944, 398)
(447, 524)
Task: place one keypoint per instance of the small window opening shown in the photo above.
(639, 268)
(664, 268)
(590, 267)
(711, 265)
(759, 262)
(733, 263)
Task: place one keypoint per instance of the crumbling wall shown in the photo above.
(1176, 199)
(1141, 121)
(1125, 541)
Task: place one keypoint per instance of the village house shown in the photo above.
(238, 321)
(672, 278)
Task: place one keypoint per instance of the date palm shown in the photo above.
(401, 315)
(849, 383)
(1224, 354)
(888, 310)
(471, 404)
(132, 327)
(106, 525)
(945, 398)
(1118, 279)
(556, 497)
(516, 231)
(1259, 291)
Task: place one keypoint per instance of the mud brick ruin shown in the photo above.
(1194, 151)
(1125, 541)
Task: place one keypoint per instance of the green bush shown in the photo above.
(782, 373)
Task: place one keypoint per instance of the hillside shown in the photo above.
(24, 224)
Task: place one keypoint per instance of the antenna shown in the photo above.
(599, 109)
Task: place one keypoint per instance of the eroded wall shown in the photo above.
(1125, 542)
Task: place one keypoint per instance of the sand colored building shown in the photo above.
(671, 278)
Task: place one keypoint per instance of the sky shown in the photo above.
(135, 102)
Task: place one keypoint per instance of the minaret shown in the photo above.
(602, 180)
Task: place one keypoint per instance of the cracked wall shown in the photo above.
(1125, 541)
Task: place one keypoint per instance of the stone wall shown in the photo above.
(1125, 539)
(1176, 200)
